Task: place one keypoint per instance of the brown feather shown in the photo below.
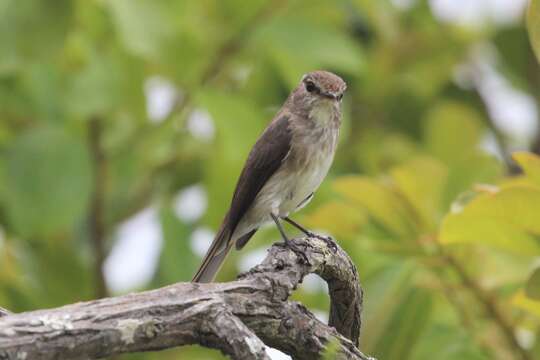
(214, 257)
(263, 161)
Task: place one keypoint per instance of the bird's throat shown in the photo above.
(323, 112)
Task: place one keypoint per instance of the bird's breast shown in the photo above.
(306, 167)
(300, 174)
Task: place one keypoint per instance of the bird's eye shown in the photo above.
(310, 86)
(339, 97)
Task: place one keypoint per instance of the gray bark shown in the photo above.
(236, 317)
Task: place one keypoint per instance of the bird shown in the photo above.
(284, 168)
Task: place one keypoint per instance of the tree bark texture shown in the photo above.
(237, 317)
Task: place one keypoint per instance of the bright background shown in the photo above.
(124, 125)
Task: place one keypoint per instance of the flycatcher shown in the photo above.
(284, 168)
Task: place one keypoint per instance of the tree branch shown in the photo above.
(234, 317)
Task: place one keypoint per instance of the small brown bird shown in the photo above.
(284, 168)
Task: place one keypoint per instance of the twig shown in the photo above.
(462, 310)
(533, 78)
(489, 304)
(478, 73)
(96, 213)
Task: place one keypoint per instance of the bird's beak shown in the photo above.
(330, 95)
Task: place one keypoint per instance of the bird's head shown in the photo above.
(319, 91)
(318, 96)
(322, 86)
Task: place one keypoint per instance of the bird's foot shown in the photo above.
(300, 254)
(330, 243)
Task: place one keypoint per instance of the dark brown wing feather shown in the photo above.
(242, 240)
(263, 161)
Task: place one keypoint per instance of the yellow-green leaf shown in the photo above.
(507, 219)
(462, 228)
(48, 175)
(338, 218)
(422, 181)
(533, 25)
(523, 302)
(530, 163)
(532, 289)
(406, 325)
(379, 200)
(452, 131)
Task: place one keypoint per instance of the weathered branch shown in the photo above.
(237, 317)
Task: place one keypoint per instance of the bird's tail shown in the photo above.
(215, 256)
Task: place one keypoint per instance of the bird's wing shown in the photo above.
(263, 161)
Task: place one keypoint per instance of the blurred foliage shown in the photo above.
(533, 25)
(446, 236)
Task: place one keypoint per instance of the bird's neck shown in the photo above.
(324, 114)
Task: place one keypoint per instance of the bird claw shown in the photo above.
(330, 243)
(300, 254)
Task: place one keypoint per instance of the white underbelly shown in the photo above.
(284, 193)
(307, 182)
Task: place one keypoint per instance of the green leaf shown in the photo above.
(379, 200)
(48, 180)
(145, 26)
(522, 301)
(387, 287)
(381, 16)
(532, 289)
(31, 30)
(377, 150)
(406, 326)
(169, 33)
(421, 181)
(507, 219)
(449, 343)
(61, 275)
(238, 123)
(177, 261)
(340, 219)
(395, 312)
(476, 168)
(298, 46)
(530, 163)
(94, 90)
(533, 25)
(452, 131)
(42, 85)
